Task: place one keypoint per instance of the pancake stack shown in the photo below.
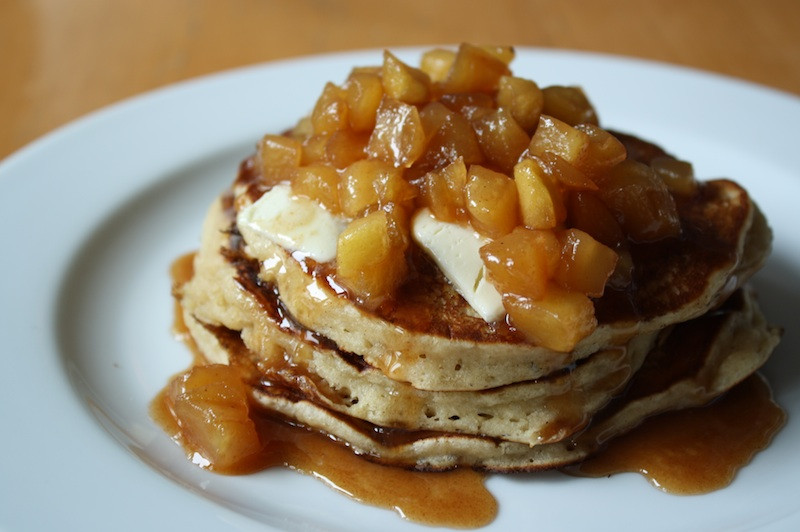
(419, 377)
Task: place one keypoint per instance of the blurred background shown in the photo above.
(60, 59)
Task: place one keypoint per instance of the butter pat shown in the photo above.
(295, 223)
(455, 249)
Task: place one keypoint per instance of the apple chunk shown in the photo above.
(370, 256)
(209, 404)
(558, 320)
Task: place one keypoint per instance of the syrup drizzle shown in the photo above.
(698, 450)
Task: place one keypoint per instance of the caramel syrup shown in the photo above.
(697, 450)
(686, 452)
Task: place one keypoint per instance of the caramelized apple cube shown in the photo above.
(370, 183)
(540, 200)
(475, 70)
(278, 157)
(568, 104)
(501, 138)
(364, 92)
(677, 175)
(588, 213)
(502, 52)
(585, 263)
(469, 104)
(567, 174)
(210, 406)
(640, 201)
(437, 62)
(320, 183)
(398, 137)
(345, 146)
(403, 82)
(523, 98)
(330, 112)
(370, 256)
(315, 149)
(450, 137)
(491, 200)
(522, 262)
(553, 135)
(603, 152)
(558, 320)
(443, 191)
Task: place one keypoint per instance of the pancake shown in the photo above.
(431, 338)
(714, 353)
(526, 411)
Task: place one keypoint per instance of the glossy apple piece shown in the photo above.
(524, 100)
(370, 256)
(403, 82)
(363, 94)
(501, 138)
(443, 191)
(640, 201)
(522, 262)
(210, 406)
(585, 264)
(558, 320)
(398, 137)
(491, 201)
(568, 104)
(540, 200)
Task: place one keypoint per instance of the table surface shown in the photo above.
(61, 59)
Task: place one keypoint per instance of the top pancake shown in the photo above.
(431, 338)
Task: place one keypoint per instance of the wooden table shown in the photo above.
(60, 59)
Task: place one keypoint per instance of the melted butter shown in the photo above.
(698, 450)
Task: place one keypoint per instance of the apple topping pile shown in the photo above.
(527, 168)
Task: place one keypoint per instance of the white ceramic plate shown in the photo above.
(93, 214)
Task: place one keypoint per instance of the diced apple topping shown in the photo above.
(320, 183)
(444, 191)
(540, 199)
(437, 63)
(585, 263)
(523, 261)
(364, 92)
(523, 98)
(558, 320)
(330, 113)
(568, 104)
(462, 136)
(370, 256)
(677, 175)
(398, 137)
(554, 136)
(641, 202)
(369, 183)
(404, 83)
(210, 406)
(449, 137)
(500, 138)
(477, 69)
(279, 157)
(491, 199)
